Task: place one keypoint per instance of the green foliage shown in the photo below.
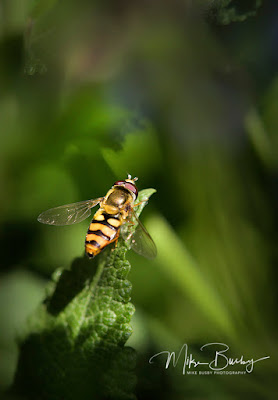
(184, 271)
(41, 7)
(179, 95)
(74, 347)
(227, 11)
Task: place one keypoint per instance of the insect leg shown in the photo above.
(140, 202)
(116, 240)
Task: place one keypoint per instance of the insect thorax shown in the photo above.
(118, 197)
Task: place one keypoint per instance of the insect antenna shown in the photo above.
(134, 179)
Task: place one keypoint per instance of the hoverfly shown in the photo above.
(115, 213)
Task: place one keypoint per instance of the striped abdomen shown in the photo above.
(103, 230)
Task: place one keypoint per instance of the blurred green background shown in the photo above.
(183, 95)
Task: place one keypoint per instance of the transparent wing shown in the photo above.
(141, 241)
(68, 214)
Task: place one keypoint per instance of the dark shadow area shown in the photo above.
(72, 372)
(71, 282)
(17, 238)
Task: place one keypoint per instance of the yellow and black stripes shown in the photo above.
(103, 230)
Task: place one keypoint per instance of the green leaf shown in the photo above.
(181, 268)
(74, 347)
(227, 11)
(263, 143)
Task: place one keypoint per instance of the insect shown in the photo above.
(115, 215)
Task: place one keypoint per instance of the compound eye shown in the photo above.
(132, 188)
(119, 183)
